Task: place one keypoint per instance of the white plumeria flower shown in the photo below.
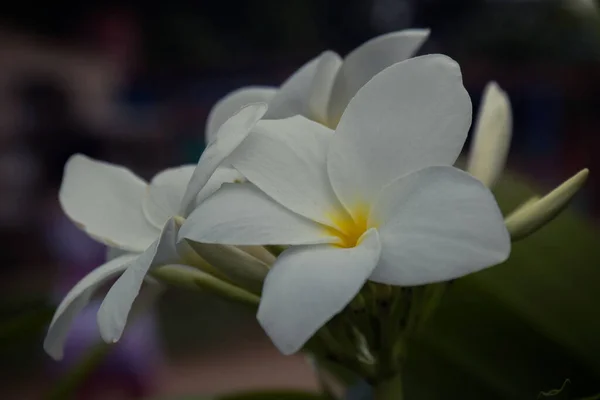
(321, 89)
(376, 200)
(138, 220)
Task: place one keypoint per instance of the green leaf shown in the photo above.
(523, 327)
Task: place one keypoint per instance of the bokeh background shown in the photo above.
(133, 83)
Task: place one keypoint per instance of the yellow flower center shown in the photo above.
(349, 229)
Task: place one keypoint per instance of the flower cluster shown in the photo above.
(332, 203)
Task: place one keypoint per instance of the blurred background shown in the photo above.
(133, 83)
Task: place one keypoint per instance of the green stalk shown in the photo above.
(196, 279)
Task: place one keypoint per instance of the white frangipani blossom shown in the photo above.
(139, 221)
(321, 89)
(378, 199)
(109, 203)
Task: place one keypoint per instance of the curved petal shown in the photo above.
(163, 197)
(491, 138)
(287, 159)
(113, 313)
(164, 194)
(321, 87)
(105, 201)
(437, 224)
(232, 103)
(296, 93)
(240, 214)
(114, 252)
(219, 177)
(412, 115)
(368, 60)
(228, 138)
(77, 299)
(308, 285)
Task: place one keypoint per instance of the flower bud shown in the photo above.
(534, 214)
(491, 137)
(235, 264)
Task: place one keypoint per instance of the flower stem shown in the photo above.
(390, 389)
(187, 277)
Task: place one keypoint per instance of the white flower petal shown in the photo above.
(321, 86)
(114, 252)
(437, 224)
(232, 103)
(367, 61)
(412, 115)
(491, 137)
(105, 201)
(164, 194)
(219, 177)
(295, 93)
(77, 299)
(240, 214)
(228, 138)
(287, 159)
(308, 285)
(113, 313)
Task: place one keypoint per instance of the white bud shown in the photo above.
(491, 137)
(536, 213)
(235, 264)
